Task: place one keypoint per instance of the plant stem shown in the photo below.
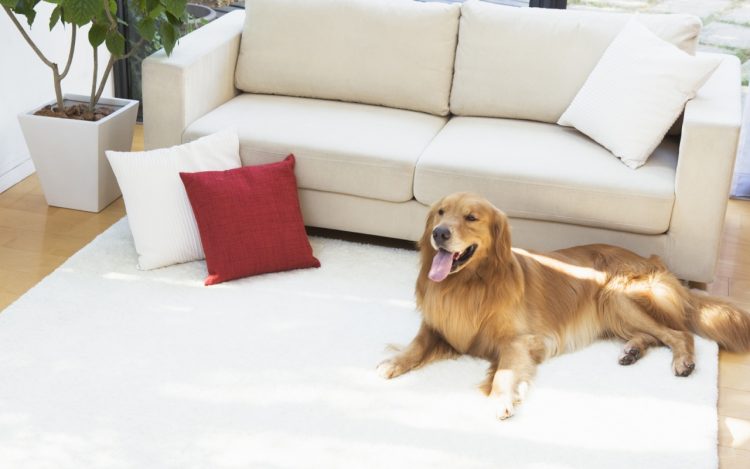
(133, 49)
(96, 95)
(92, 103)
(58, 87)
(112, 21)
(70, 52)
(105, 76)
(112, 59)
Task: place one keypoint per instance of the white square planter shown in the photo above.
(69, 154)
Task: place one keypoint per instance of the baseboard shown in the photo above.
(16, 175)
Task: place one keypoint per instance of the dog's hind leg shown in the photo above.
(626, 318)
(636, 347)
(428, 346)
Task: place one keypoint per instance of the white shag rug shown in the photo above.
(104, 366)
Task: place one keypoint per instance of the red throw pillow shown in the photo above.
(249, 220)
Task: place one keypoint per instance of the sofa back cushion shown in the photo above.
(529, 63)
(396, 53)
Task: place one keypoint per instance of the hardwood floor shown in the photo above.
(35, 239)
(734, 369)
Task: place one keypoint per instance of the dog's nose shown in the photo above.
(441, 233)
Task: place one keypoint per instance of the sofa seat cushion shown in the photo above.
(547, 172)
(348, 148)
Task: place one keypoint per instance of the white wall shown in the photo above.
(25, 82)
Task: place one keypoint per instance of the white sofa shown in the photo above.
(389, 105)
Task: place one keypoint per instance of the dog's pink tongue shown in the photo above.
(441, 265)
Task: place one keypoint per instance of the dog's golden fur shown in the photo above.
(516, 308)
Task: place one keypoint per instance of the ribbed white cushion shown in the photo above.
(347, 148)
(529, 63)
(396, 53)
(636, 92)
(159, 213)
(547, 172)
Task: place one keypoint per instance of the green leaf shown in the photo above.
(115, 43)
(55, 16)
(168, 36)
(156, 12)
(97, 34)
(173, 20)
(100, 17)
(113, 8)
(26, 8)
(81, 12)
(176, 7)
(8, 3)
(150, 5)
(147, 29)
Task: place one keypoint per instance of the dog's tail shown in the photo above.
(673, 305)
(718, 320)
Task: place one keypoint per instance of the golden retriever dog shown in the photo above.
(480, 297)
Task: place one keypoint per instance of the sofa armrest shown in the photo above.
(196, 78)
(708, 147)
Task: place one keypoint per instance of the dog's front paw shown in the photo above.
(503, 406)
(390, 369)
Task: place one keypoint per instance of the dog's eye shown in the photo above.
(441, 212)
(470, 217)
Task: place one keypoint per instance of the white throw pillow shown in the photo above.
(160, 216)
(636, 92)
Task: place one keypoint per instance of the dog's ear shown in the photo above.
(426, 252)
(424, 242)
(501, 237)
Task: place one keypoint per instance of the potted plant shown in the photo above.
(67, 137)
